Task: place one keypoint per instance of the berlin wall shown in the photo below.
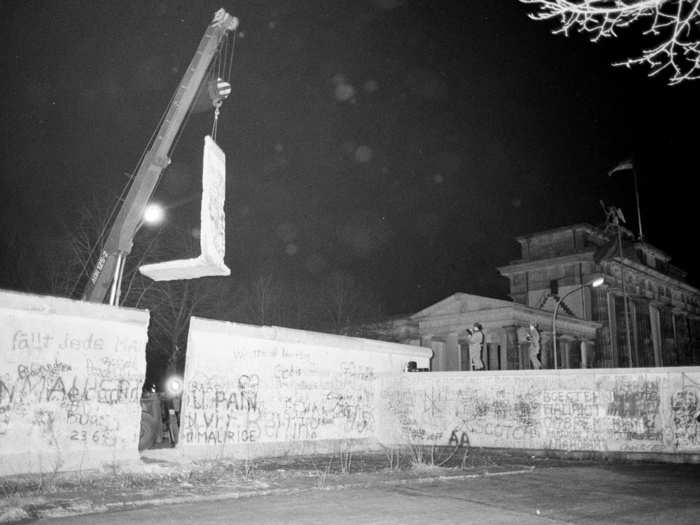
(252, 391)
(71, 375)
(655, 410)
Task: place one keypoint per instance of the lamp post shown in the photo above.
(594, 283)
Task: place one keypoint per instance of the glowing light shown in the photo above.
(173, 386)
(153, 214)
(597, 282)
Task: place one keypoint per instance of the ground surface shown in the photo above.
(482, 489)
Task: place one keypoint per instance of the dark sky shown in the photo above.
(406, 143)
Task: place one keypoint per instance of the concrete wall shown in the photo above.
(71, 375)
(253, 391)
(615, 410)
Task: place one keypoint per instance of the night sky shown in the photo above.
(404, 143)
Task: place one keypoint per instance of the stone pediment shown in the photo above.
(460, 303)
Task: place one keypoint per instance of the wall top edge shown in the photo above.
(47, 304)
(291, 335)
(568, 372)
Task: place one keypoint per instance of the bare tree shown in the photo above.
(47, 263)
(346, 303)
(675, 25)
(61, 267)
(258, 300)
(265, 294)
(333, 304)
(172, 304)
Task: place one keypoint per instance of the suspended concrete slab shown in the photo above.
(212, 228)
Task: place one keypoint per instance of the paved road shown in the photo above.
(639, 494)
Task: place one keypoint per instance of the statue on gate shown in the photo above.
(476, 340)
(533, 337)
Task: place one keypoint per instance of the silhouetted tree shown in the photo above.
(675, 24)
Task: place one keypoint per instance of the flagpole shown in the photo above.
(631, 165)
(624, 296)
(636, 194)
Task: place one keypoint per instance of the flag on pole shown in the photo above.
(624, 165)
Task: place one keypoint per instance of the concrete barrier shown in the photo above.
(654, 410)
(71, 375)
(253, 391)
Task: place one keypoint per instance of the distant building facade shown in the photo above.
(443, 328)
(658, 326)
(662, 326)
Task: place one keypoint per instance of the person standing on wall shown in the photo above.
(533, 338)
(475, 338)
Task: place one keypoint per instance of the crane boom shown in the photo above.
(156, 159)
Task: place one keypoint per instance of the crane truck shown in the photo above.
(107, 273)
(109, 268)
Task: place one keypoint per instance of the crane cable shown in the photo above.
(99, 241)
(224, 66)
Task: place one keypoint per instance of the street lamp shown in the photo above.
(593, 283)
(153, 214)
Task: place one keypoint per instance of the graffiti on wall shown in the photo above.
(276, 392)
(70, 386)
(685, 414)
(217, 412)
(571, 420)
(624, 412)
(498, 415)
(634, 410)
(62, 394)
(502, 415)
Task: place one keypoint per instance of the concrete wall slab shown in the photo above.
(654, 410)
(71, 376)
(252, 391)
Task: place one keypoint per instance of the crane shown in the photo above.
(118, 244)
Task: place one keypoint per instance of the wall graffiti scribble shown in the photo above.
(269, 385)
(70, 382)
(685, 407)
(596, 410)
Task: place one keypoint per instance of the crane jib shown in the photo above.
(127, 222)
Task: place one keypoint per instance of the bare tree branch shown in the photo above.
(674, 24)
(346, 302)
(62, 266)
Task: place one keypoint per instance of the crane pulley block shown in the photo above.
(120, 238)
(219, 90)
